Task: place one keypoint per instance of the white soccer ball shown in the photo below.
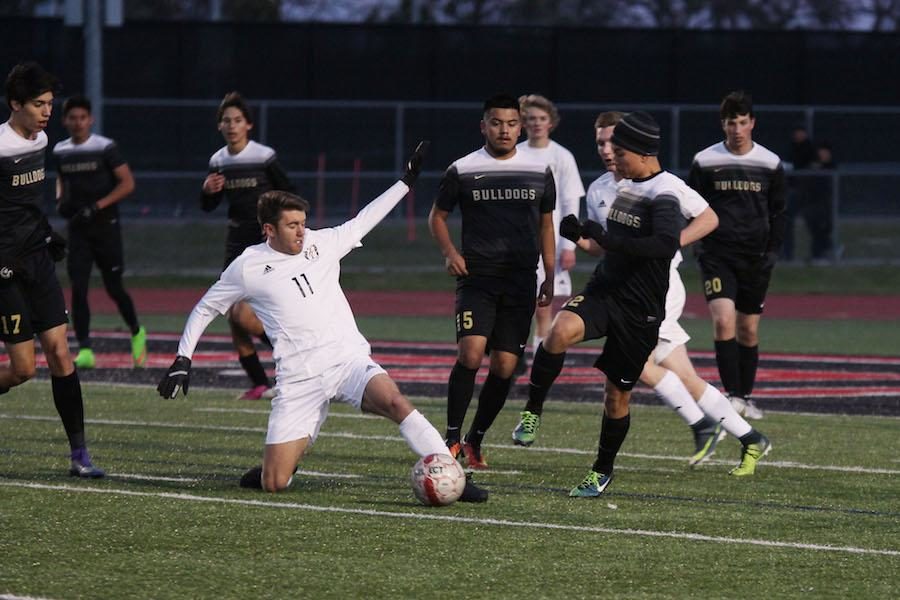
(438, 480)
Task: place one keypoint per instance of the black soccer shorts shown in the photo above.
(240, 237)
(629, 338)
(99, 243)
(32, 301)
(739, 277)
(497, 307)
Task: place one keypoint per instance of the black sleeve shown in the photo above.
(113, 157)
(695, 179)
(209, 202)
(278, 177)
(664, 240)
(448, 191)
(777, 215)
(548, 202)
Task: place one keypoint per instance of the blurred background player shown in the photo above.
(506, 199)
(541, 118)
(31, 300)
(241, 172)
(292, 281)
(92, 178)
(744, 183)
(624, 301)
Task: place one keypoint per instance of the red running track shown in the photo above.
(440, 303)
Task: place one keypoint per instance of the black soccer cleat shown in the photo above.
(252, 479)
(473, 493)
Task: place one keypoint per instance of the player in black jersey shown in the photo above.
(92, 178)
(241, 172)
(506, 199)
(744, 183)
(31, 300)
(624, 301)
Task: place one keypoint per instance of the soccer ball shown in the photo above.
(438, 480)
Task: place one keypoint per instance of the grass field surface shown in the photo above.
(819, 519)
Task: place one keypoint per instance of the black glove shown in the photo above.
(769, 259)
(56, 246)
(570, 228)
(177, 377)
(85, 214)
(67, 209)
(595, 231)
(414, 163)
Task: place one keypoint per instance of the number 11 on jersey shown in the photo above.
(303, 287)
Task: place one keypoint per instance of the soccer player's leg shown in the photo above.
(476, 309)
(243, 322)
(17, 335)
(368, 386)
(298, 412)
(111, 262)
(720, 286)
(577, 321)
(751, 295)
(79, 262)
(625, 352)
(669, 372)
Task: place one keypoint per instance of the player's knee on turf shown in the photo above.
(274, 480)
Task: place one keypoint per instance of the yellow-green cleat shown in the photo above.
(526, 430)
(85, 359)
(750, 456)
(139, 348)
(705, 442)
(591, 486)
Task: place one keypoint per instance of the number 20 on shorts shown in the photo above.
(712, 286)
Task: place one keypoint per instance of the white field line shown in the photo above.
(394, 438)
(15, 597)
(151, 477)
(456, 519)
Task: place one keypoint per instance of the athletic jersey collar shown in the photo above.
(643, 179)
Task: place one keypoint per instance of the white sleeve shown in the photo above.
(691, 203)
(349, 234)
(569, 190)
(216, 301)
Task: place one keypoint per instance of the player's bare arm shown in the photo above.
(548, 254)
(214, 183)
(699, 227)
(453, 260)
(124, 187)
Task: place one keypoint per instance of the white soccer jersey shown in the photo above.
(297, 297)
(569, 187)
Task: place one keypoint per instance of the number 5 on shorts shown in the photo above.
(464, 320)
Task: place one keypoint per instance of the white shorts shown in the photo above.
(671, 333)
(562, 282)
(299, 408)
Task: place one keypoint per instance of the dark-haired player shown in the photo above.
(31, 300)
(240, 172)
(744, 183)
(506, 199)
(92, 179)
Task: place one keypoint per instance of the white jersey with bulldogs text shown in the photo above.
(298, 297)
(569, 190)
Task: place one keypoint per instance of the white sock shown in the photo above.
(672, 392)
(718, 408)
(421, 436)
